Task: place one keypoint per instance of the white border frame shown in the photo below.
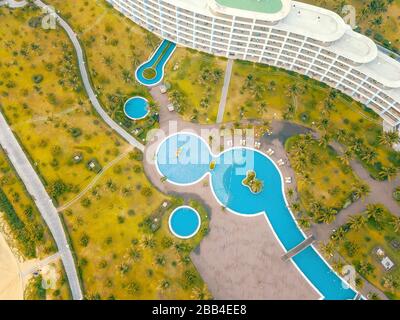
(322, 297)
(137, 97)
(192, 234)
(163, 67)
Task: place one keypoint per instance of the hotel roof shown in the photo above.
(313, 22)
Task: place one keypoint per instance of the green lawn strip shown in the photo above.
(358, 248)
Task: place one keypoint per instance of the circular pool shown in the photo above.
(184, 222)
(136, 108)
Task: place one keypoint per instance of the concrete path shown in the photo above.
(225, 88)
(86, 82)
(46, 207)
(13, 3)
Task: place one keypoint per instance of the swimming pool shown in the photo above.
(185, 159)
(184, 222)
(136, 108)
(151, 72)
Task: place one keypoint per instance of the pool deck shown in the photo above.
(240, 258)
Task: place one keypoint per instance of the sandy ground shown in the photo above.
(11, 285)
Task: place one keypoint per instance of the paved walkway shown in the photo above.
(240, 258)
(225, 89)
(13, 3)
(46, 207)
(381, 192)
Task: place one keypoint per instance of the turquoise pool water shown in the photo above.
(185, 159)
(136, 108)
(157, 62)
(184, 222)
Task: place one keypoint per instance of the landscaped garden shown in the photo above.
(195, 81)
(118, 251)
(364, 242)
(125, 250)
(114, 47)
(264, 92)
(324, 184)
(377, 19)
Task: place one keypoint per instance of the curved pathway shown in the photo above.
(13, 3)
(42, 200)
(85, 79)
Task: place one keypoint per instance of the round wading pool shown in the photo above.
(136, 108)
(184, 222)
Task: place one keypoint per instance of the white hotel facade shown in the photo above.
(306, 39)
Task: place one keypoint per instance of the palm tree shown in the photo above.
(374, 211)
(257, 186)
(323, 124)
(361, 191)
(338, 234)
(357, 222)
(328, 249)
(346, 157)
(293, 91)
(262, 107)
(396, 224)
(340, 135)
(388, 173)
(295, 206)
(389, 138)
(324, 141)
(368, 156)
(327, 216)
(258, 91)
(304, 222)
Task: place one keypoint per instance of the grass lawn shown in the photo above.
(49, 112)
(44, 103)
(196, 82)
(371, 22)
(322, 180)
(357, 247)
(260, 91)
(114, 48)
(120, 233)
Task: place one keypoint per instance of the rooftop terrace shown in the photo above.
(262, 6)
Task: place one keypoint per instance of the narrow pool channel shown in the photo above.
(151, 72)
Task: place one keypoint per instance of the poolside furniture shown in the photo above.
(163, 89)
(288, 180)
(270, 152)
(229, 143)
(243, 142)
(281, 162)
(171, 107)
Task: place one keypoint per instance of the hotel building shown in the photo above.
(292, 35)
